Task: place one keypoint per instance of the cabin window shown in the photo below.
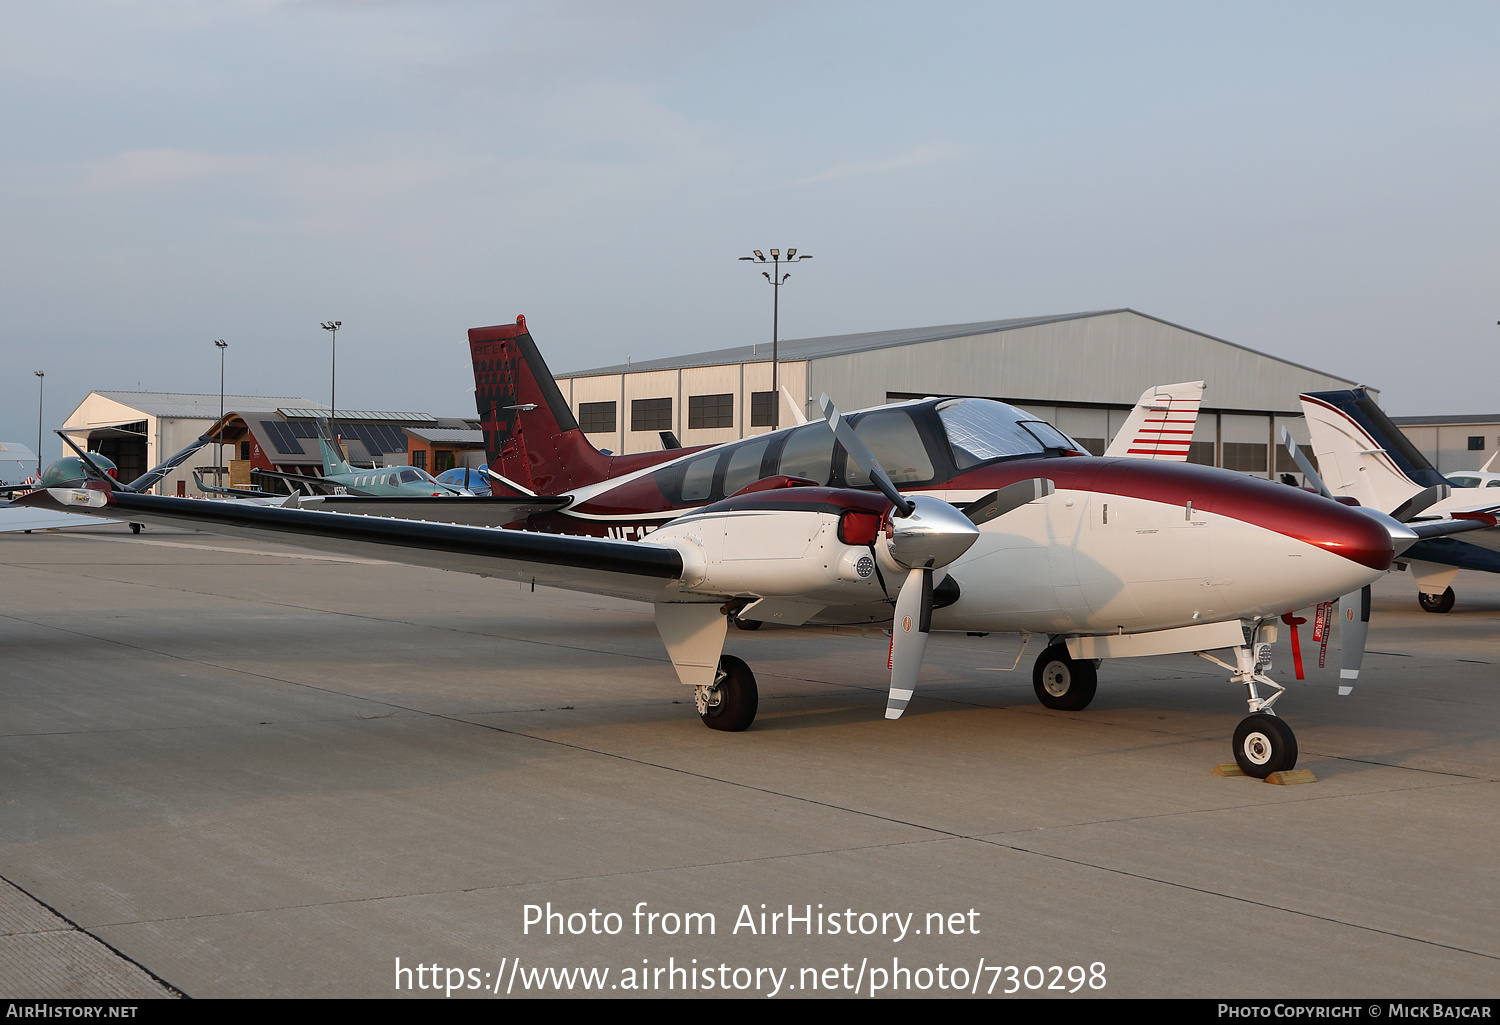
(744, 466)
(983, 429)
(809, 452)
(892, 439)
(698, 478)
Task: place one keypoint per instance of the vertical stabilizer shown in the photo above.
(1361, 453)
(531, 437)
(333, 459)
(530, 434)
(1161, 424)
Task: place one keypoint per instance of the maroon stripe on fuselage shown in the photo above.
(832, 500)
(1286, 510)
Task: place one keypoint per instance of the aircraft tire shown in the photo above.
(1064, 683)
(135, 528)
(1263, 744)
(738, 698)
(1437, 602)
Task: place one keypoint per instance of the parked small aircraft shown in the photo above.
(340, 477)
(536, 448)
(1016, 531)
(1485, 477)
(76, 471)
(1364, 457)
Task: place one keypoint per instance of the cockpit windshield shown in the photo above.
(983, 429)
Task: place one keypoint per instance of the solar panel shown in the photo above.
(281, 438)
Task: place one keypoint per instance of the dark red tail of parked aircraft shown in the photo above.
(530, 434)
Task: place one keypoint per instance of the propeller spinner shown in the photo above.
(925, 534)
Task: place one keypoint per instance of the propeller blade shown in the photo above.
(1421, 501)
(1354, 608)
(860, 453)
(1304, 464)
(909, 638)
(1012, 496)
(85, 457)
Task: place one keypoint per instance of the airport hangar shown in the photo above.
(1454, 443)
(139, 429)
(1082, 372)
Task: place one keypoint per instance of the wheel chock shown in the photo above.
(1290, 777)
(1228, 769)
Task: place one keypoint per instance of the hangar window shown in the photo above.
(1201, 452)
(762, 408)
(596, 417)
(1476, 443)
(650, 414)
(706, 411)
(1246, 457)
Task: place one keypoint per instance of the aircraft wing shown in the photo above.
(16, 518)
(475, 512)
(1161, 424)
(623, 569)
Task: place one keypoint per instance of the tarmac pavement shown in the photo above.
(229, 769)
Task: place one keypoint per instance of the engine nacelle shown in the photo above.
(809, 543)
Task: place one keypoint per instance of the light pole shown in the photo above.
(41, 380)
(776, 278)
(333, 325)
(223, 347)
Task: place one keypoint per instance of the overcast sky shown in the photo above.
(1318, 181)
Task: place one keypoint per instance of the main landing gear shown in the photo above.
(1063, 682)
(1263, 744)
(730, 704)
(1437, 602)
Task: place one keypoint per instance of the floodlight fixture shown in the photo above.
(776, 280)
(333, 375)
(223, 348)
(41, 381)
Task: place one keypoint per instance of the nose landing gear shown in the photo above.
(1263, 744)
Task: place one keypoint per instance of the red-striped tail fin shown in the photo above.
(1162, 423)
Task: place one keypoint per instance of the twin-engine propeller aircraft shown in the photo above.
(1365, 458)
(537, 450)
(1015, 530)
